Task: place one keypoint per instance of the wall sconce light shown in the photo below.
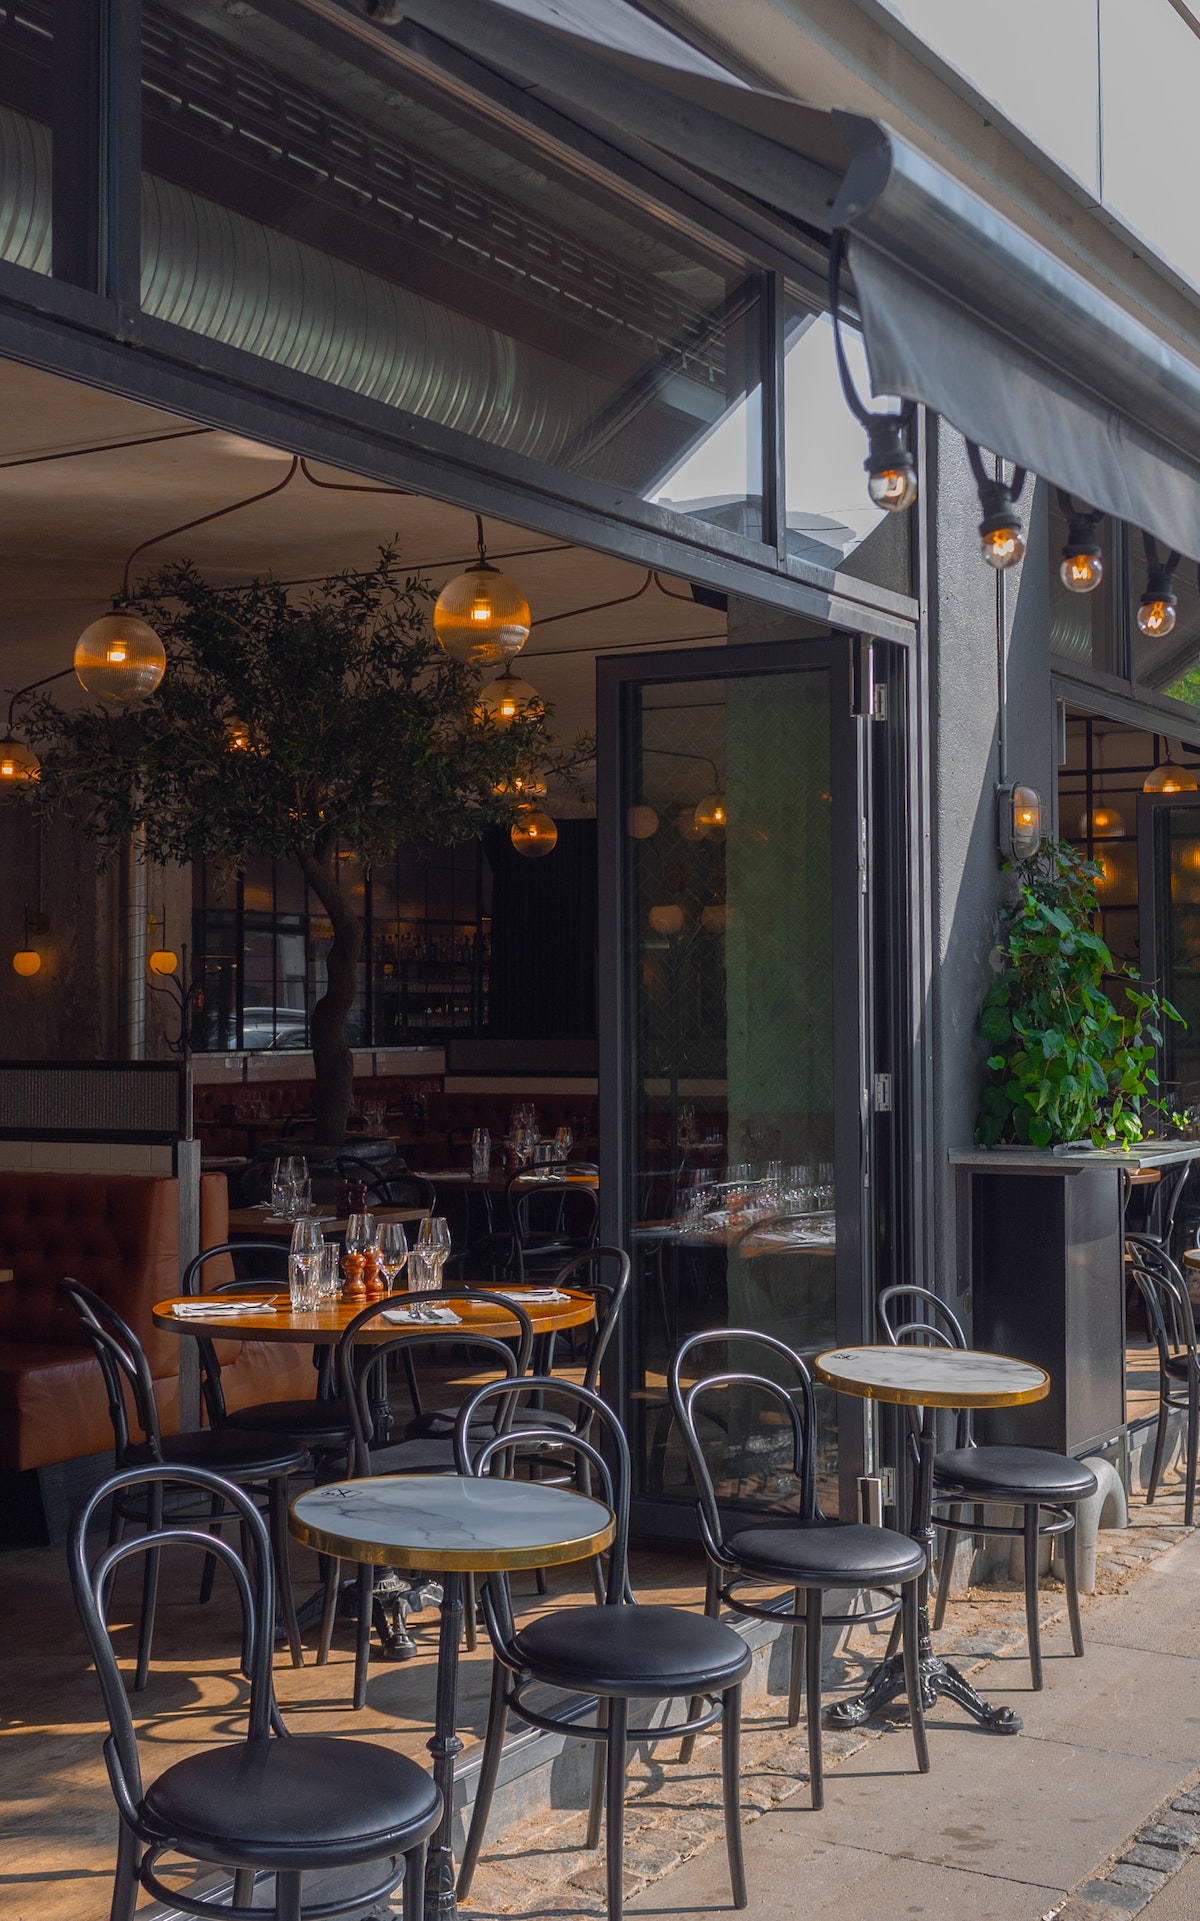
(1156, 608)
(1001, 537)
(27, 961)
(889, 466)
(1020, 821)
(1082, 566)
(163, 961)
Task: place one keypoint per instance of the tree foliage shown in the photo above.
(294, 726)
(1067, 1063)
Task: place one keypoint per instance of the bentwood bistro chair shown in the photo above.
(272, 1806)
(238, 1456)
(610, 1652)
(1046, 1486)
(1172, 1322)
(788, 1543)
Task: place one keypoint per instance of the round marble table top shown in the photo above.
(451, 1523)
(932, 1376)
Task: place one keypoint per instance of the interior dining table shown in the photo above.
(273, 1318)
(258, 1223)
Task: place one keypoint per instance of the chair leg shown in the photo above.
(1071, 1570)
(210, 1560)
(1160, 1444)
(731, 1775)
(154, 1515)
(1190, 1442)
(287, 1896)
(614, 1836)
(362, 1633)
(125, 1881)
(333, 1582)
(243, 1888)
(910, 1641)
(812, 1661)
(946, 1567)
(277, 1504)
(1032, 1626)
(414, 1883)
(796, 1668)
(470, 1606)
(596, 1790)
(712, 1608)
(493, 1747)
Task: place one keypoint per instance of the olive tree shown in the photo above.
(294, 725)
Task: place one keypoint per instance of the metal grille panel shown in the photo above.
(142, 1101)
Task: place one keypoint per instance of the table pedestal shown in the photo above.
(937, 1677)
(445, 1747)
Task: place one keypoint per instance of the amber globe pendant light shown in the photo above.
(1167, 778)
(481, 617)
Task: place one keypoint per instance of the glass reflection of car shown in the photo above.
(282, 1029)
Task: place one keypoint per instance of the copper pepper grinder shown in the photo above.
(352, 1268)
(374, 1287)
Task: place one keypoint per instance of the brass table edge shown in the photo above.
(908, 1397)
(441, 1561)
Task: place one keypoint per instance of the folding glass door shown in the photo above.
(734, 1027)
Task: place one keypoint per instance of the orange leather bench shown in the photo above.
(118, 1234)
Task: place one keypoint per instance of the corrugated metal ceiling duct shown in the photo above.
(24, 191)
(210, 269)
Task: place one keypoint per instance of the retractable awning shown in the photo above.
(960, 309)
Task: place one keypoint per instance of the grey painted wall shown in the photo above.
(965, 769)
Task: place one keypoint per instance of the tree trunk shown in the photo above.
(333, 1063)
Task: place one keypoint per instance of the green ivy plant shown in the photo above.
(1067, 1063)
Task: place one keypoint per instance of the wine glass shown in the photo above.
(391, 1248)
(434, 1237)
(307, 1237)
(360, 1233)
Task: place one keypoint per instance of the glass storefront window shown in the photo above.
(399, 246)
(26, 51)
(830, 520)
(1086, 628)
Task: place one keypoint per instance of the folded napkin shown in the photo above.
(409, 1317)
(523, 1294)
(206, 1310)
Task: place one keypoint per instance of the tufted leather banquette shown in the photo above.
(119, 1234)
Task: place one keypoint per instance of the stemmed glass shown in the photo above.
(360, 1233)
(434, 1239)
(391, 1249)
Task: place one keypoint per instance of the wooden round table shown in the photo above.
(450, 1525)
(922, 1379)
(272, 1317)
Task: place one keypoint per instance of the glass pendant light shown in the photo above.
(481, 616)
(641, 821)
(709, 816)
(666, 919)
(1103, 823)
(119, 659)
(533, 834)
(238, 738)
(1167, 778)
(506, 699)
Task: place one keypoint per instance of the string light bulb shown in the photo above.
(533, 834)
(481, 616)
(889, 467)
(1082, 566)
(1001, 534)
(119, 659)
(506, 699)
(1156, 608)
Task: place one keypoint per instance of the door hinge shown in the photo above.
(881, 1093)
(879, 701)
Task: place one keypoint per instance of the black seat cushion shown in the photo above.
(828, 1554)
(236, 1453)
(308, 1801)
(432, 1454)
(653, 1652)
(1013, 1473)
(320, 1423)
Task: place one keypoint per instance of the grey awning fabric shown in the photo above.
(961, 310)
